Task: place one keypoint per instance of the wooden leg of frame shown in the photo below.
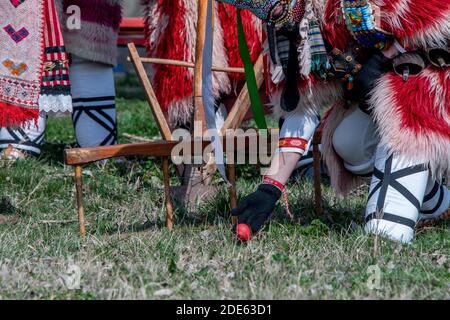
(317, 185)
(79, 191)
(232, 190)
(169, 204)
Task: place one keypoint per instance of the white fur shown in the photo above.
(423, 147)
(312, 99)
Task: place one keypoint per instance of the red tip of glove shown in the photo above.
(243, 232)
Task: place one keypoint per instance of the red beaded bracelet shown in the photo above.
(279, 185)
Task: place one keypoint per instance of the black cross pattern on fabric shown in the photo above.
(94, 112)
(390, 179)
(20, 137)
(430, 196)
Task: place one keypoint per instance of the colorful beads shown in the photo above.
(360, 20)
(279, 13)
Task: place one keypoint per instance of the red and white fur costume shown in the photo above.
(412, 118)
(171, 34)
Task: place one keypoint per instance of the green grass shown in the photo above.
(129, 254)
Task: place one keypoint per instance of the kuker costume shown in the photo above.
(171, 28)
(390, 117)
(34, 75)
(94, 53)
(93, 49)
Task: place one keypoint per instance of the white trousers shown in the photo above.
(401, 191)
(94, 109)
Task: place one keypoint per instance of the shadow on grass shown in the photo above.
(338, 216)
(8, 209)
(53, 152)
(206, 214)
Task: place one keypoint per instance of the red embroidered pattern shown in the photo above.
(17, 3)
(18, 35)
(279, 185)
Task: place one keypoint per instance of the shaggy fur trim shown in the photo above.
(314, 96)
(171, 34)
(97, 38)
(342, 180)
(413, 118)
(93, 42)
(334, 29)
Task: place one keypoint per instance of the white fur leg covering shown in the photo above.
(436, 201)
(396, 194)
(94, 109)
(28, 138)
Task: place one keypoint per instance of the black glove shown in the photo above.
(255, 209)
(371, 71)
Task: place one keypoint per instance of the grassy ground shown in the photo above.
(129, 254)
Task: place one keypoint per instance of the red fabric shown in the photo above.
(228, 20)
(298, 143)
(53, 38)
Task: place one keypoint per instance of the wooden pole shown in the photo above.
(199, 111)
(317, 173)
(150, 93)
(79, 191)
(189, 65)
(168, 199)
(231, 170)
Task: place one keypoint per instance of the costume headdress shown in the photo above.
(276, 13)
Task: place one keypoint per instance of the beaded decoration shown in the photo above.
(278, 13)
(360, 19)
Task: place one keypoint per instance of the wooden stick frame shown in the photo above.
(78, 157)
(162, 149)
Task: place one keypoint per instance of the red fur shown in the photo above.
(334, 29)
(418, 17)
(13, 116)
(175, 84)
(174, 47)
(227, 16)
(416, 102)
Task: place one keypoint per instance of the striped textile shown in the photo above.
(319, 58)
(96, 40)
(55, 77)
(283, 50)
(33, 62)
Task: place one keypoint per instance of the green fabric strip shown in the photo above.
(255, 99)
